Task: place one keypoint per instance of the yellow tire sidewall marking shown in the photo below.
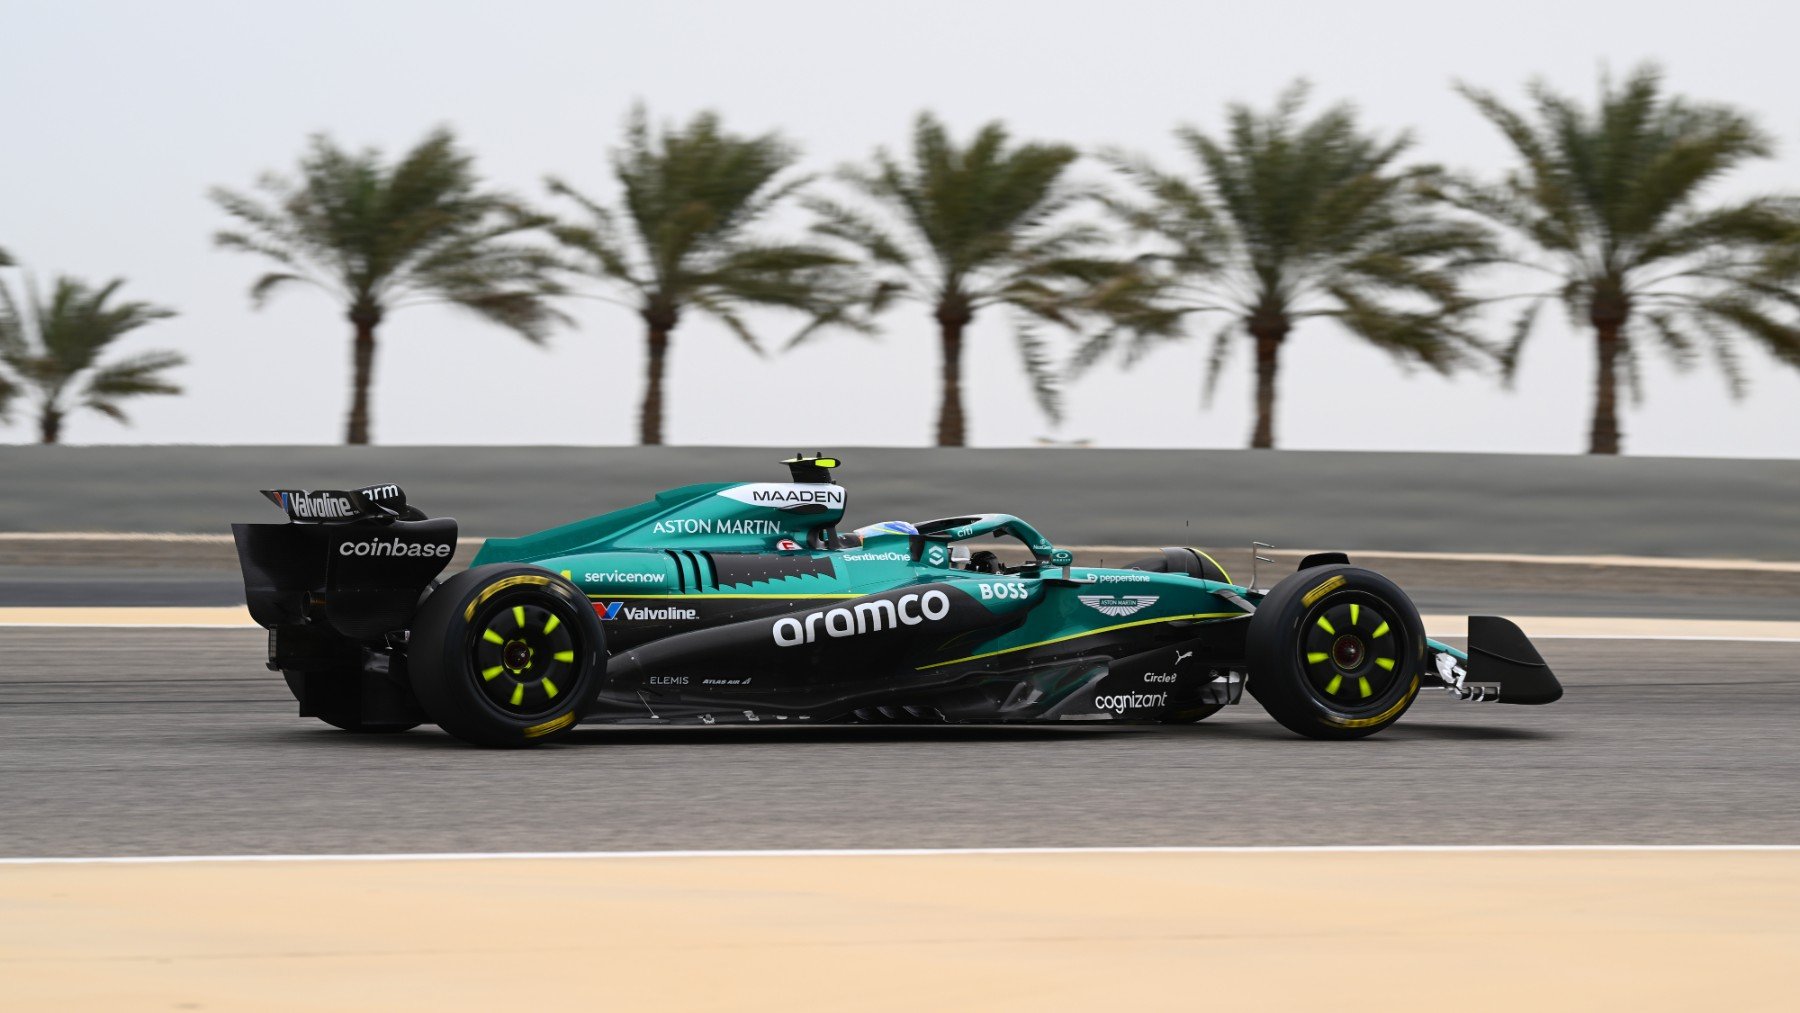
(1322, 590)
(1385, 715)
(555, 724)
(500, 585)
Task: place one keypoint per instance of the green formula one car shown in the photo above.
(746, 602)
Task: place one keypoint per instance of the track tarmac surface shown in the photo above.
(157, 742)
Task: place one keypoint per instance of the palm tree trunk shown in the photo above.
(1608, 317)
(1603, 438)
(50, 425)
(953, 317)
(650, 419)
(362, 373)
(1268, 332)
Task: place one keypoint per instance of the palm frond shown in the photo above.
(57, 347)
(1430, 338)
(8, 391)
(266, 285)
(1292, 215)
(1612, 195)
(1725, 356)
(1680, 349)
(380, 235)
(835, 220)
(13, 324)
(1515, 343)
(1633, 372)
(1217, 358)
(1780, 339)
(721, 310)
(137, 375)
(687, 229)
(1035, 360)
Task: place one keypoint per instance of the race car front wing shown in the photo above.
(1501, 665)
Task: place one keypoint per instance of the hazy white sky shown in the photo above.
(116, 117)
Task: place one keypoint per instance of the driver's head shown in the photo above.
(886, 528)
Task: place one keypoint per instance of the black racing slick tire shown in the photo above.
(507, 655)
(1335, 652)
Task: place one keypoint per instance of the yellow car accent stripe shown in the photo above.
(1078, 636)
(1332, 686)
(493, 638)
(490, 674)
(564, 656)
(1363, 687)
(549, 688)
(1387, 664)
(1317, 656)
(1380, 631)
(1355, 613)
(1325, 624)
(554, 622)
(1214, 562)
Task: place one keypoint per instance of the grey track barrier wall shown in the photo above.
(1422, 502)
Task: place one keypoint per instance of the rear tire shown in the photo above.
(507, 655)
(1336, 652)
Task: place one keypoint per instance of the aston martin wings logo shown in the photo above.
(1124, 605)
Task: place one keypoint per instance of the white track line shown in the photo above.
(1274, 849)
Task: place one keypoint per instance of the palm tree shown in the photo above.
(53, 350)
(685, 237)
(7, 390)
(380, 237)
(1289, 219)
(1611, 200)
(962, 228)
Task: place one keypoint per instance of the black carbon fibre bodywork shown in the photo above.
(741, 671)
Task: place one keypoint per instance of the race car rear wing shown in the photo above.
(332, 506)
(355, 561)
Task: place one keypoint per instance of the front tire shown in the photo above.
(507, 655)
(1336, 652)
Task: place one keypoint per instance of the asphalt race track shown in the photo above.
(172, 741)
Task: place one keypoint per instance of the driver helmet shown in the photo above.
(855, 538)
(887, 528)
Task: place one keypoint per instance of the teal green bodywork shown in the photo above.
(647, 555)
